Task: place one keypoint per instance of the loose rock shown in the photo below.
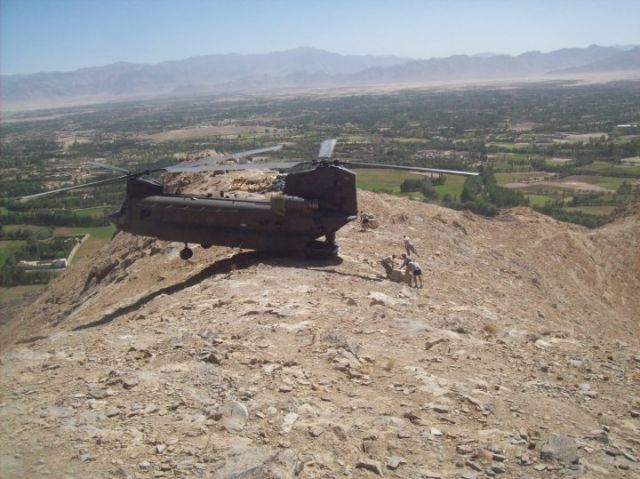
(559, 448)
(394, 462)
(370, 465)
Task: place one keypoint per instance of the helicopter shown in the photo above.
(318, 198)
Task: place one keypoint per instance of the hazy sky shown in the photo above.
(46, 35)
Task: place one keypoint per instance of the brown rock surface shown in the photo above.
(236, 364)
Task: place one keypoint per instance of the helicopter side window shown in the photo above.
(144, 214)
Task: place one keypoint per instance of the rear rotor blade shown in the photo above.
(382, 166)
(108, 167)
(326, 148)
(213, 160)
(75, 187)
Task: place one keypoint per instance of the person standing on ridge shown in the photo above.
(408, 246)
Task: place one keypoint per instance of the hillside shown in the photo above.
(519, 358)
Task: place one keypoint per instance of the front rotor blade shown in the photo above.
(267, 165)
(108, 167)
(75, 187)
(382, 166)
(212, 160)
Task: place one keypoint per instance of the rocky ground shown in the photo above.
(519, 358)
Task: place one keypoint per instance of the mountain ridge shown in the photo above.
(625, 60)
(299, 68)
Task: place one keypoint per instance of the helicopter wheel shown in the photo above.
(186, 253)
(320, 250)
(205, 245)
(331, 238)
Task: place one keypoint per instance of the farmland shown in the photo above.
(563, 150)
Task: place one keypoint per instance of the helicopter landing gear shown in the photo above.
(331, 238)
(186, 252)
(206, 245)
(320, 250)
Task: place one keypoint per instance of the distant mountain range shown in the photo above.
(464, 67)
(296, 69)
(626, 60)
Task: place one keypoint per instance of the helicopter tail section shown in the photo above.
(333, 187)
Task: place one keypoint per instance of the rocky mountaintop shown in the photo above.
(519, 358)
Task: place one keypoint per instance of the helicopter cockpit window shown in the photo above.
(144, 214)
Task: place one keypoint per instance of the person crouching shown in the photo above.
(415, 272)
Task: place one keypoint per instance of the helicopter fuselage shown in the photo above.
(314, 204)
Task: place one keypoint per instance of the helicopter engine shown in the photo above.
(140, 187)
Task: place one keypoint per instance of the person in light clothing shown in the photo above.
(408, 246)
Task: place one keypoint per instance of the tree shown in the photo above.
(471, 188)
(427, 190)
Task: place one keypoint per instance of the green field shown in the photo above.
(550, 162)
(515, 157)
(41, 229)
(504, 178)
(539, 200)
(8, 247)
(452, 187)
(608, 182)
(502, 146)
(99, 236)
(3, 210)
(389, 181)
(101, 232)
(94, 212)
(601, 166)
(359, 138)
(404, 139)
(383, 180)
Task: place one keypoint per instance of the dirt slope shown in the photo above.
(238, 365)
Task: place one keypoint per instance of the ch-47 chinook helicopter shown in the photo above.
(317, 200)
